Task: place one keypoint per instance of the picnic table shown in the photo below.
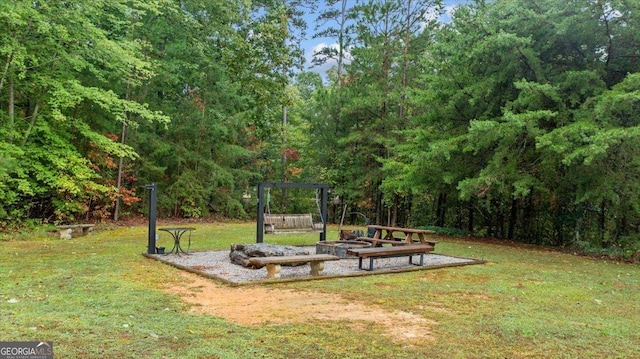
(386, 234)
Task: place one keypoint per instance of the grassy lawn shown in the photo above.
(98, 297)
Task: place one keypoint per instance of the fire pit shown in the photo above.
(339, 248)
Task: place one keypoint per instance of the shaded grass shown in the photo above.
(97, 296)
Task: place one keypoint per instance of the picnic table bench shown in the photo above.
(409, 250)
(274, 263)
(380, 242)
(67, 229)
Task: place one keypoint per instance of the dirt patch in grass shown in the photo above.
(253, 306)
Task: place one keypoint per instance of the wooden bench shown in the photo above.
(274, 263)
(67, 230)
(396, 242)
(289, 223)
(397, 251)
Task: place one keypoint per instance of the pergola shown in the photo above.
(324, 189)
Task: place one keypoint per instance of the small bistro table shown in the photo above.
(176, 234)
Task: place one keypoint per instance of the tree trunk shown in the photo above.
(116, 209)
(471, 213)
(440, 211)
(405, 211)
(513, 217)
(405, 52)
(603, 224)
(343, 21)
(11, 109)
(5, 72)
(34, 117)
(378, 197)
(527, 213)
(489, 221)
(393, 220)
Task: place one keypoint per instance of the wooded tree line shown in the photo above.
(517, 119)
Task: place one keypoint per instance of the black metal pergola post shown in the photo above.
(153, 199)
(324, 188)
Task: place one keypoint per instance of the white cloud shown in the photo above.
(450, 9)
(448, 12)
(330, 63)
(431, 15)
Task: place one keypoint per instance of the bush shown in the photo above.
(625, 248)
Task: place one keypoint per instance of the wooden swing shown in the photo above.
(291, 223)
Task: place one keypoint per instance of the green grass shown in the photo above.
(98, 297)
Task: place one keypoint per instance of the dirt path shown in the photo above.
(252, 306)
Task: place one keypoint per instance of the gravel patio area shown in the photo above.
(216, 264)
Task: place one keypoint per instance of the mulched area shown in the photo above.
(217, 265)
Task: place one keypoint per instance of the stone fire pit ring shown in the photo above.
(339, 248)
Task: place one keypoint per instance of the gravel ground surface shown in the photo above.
(216, 264)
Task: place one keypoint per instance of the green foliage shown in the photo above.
(625, 249)
(59, 66)
(516, 120)
(354, 125)
(78, 76)
(532, 125)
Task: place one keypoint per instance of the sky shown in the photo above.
(310, 45)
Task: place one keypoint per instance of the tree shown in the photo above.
(510, 103)
(341, 31)
(383, 54)
(213, 79)
(57, 59)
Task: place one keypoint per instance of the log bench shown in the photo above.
(409, 250)
(67, 230)
(274, 263)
